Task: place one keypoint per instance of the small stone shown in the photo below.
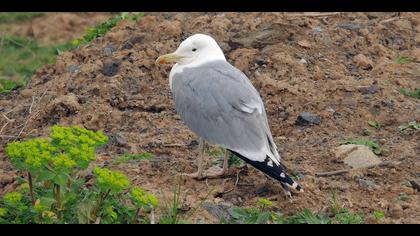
(218, 200)
(304, 43)
(111, 68)
(73, 68)
(357, 156)
(317, 29)
(27, 93)
(132, 41)
(396, 211)
(368, 89)
(368, 184)
(5, 179)
(307, 118)
(120, 140)
(415, 184)
(219, 211)
(109, 49)
(350, 26)
(303, 61)
(363, 62)
(263, 191)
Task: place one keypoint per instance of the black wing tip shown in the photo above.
(275, 171)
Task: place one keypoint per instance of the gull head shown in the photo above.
(196, 49)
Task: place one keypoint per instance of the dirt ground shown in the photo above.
(55, 28)
(298, 63)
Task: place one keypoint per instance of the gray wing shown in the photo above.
(219, 103)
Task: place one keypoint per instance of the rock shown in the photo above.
(219, 211)
(132, 41)
(111, 68)
(120, 140)
(73, 68)
(363, 62)
(27, 93)
(396, 211)
(415, 184)
(109, 49)
(317, 29)
(63, 106)
(303, 61)
(357, 156)
(368, 89)
(373, 15)
(307, 118)
(368, 184)
(263, 191)
(5, 179)
(304, 43)
(350, 26)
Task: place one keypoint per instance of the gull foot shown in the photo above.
(211, 173)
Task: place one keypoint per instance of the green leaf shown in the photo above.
(47, 201)
(404, 60)
(379, 215)
(46, 175)
(84, 211)
(61, 179)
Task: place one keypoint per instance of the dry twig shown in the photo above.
(314, 14)
(339, 172)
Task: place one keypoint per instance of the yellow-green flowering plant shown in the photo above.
(56, 193)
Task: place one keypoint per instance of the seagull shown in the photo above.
(219, 104)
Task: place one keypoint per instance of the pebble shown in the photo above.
(73, 68)
(219, 211)
(368, 184)
(363, 62)
(307, 118)
(5, 179)
(303, 61)
(356, 156)
(111, 68)
(350, 26)
(109, 49)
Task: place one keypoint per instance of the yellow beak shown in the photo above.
(168, 58)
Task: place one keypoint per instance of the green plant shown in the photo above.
(56, 193)
(366, 132)
(307, 217)
(220, 153)
(260, 215)
(410, 125)
(404, 60)
(414, 94)
(20, 58)
(379, 215)
(9, 85)
(101, 29)
(372, 145)
(250, 216)
(171, 210)
(7, 17)
(375, 124)
(403, 197)
(346, 217)
(134, 157)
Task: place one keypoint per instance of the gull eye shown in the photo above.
(194, 49)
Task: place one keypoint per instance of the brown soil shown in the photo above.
(56, 28)
(125, 94)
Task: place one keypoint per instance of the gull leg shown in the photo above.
(216, 171)
(225, 162)
(212, 172)
(199, 173)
